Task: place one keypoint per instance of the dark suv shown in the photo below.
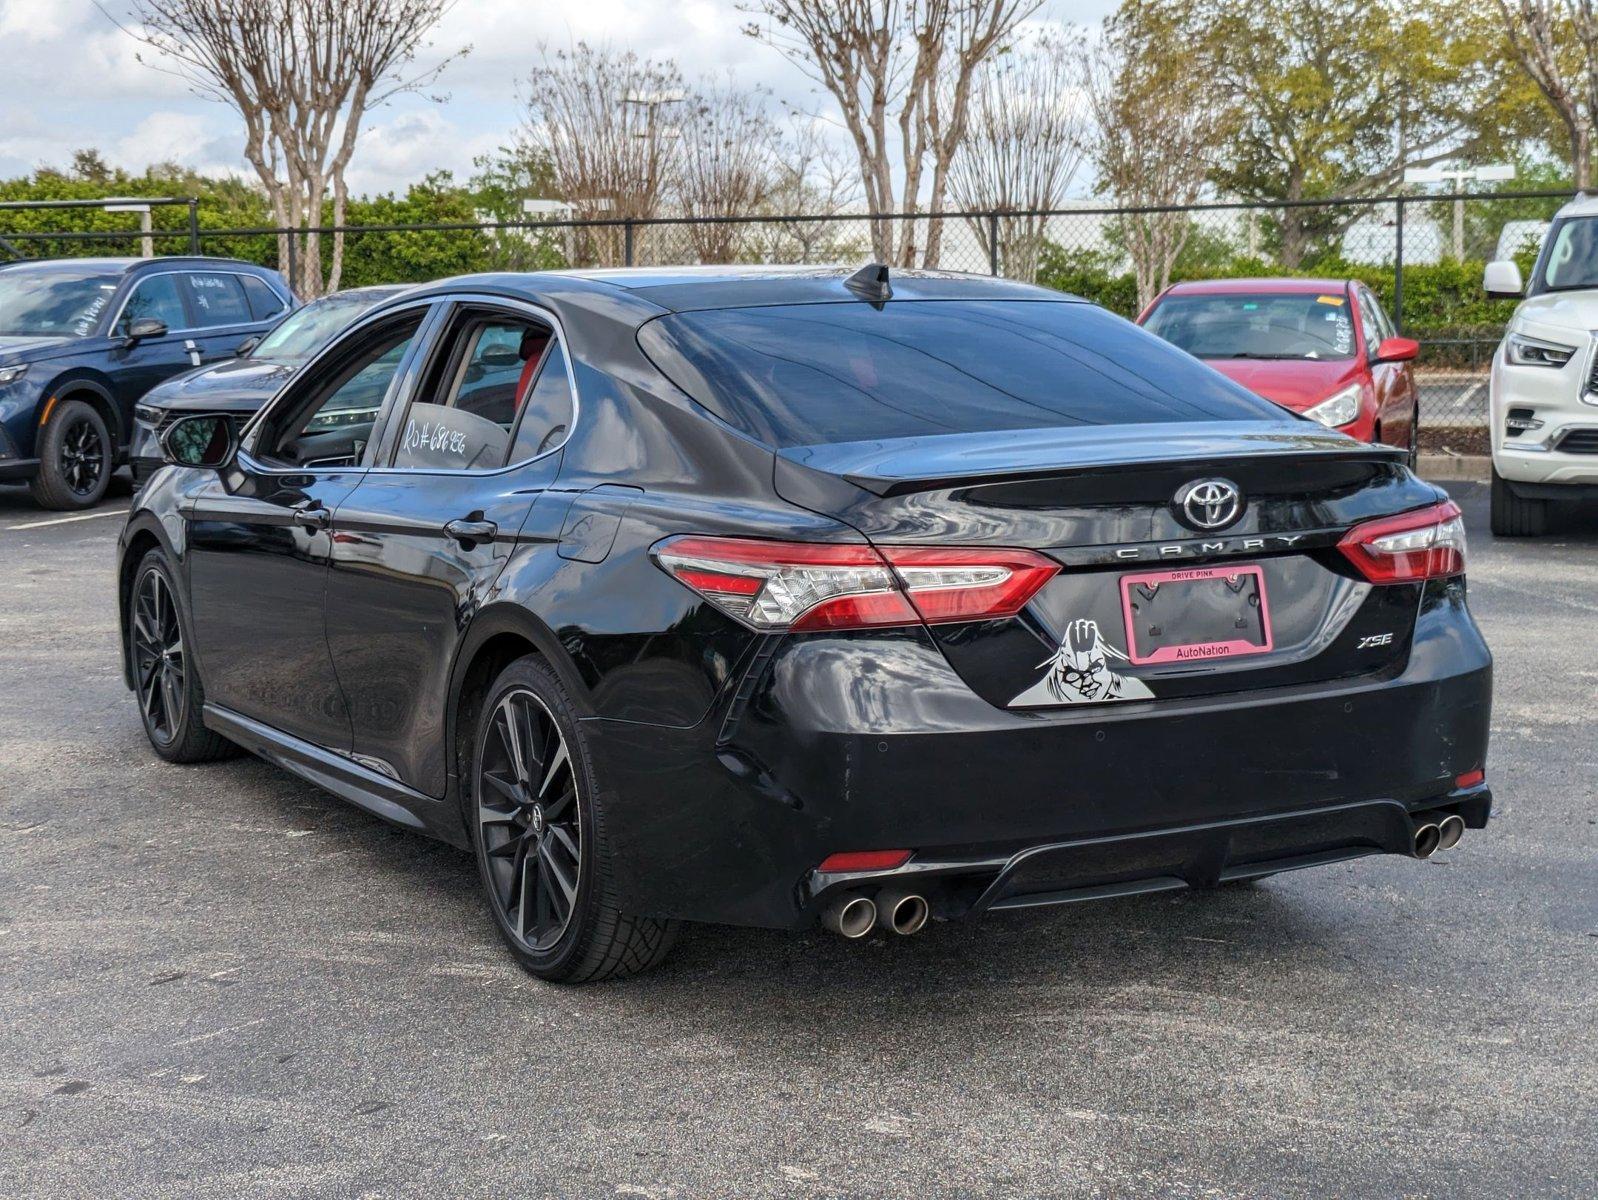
(82, 339)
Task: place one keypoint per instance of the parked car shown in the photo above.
(1543, 394)
(771, 597)
(1321, 347)
(82, 339)
(240, 386)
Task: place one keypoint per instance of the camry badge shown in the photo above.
(1210, 503)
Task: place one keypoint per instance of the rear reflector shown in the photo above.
(812, 585)
(1470, 779)
(1411, 548)
(865, 860)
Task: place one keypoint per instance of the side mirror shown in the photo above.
(143, 329)
(248, 344)
(1501, 281)
(204, 440)
(1397, 349)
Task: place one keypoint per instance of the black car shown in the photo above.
(773, 597)
(82, 339)
(241, 385)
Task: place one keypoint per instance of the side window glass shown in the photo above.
(547, 413)
(1377, 326)
(217, 299)
(333, 423)
(157, 298)
(476, 393)
(265, 304)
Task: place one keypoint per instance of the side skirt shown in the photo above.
(345, 778)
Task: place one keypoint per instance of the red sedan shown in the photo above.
(1321, 347)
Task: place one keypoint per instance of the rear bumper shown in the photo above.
(871, 742)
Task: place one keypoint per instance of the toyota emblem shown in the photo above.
(1210, 503)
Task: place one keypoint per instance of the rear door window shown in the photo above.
(216, 299)
(813, 374)
(484, 401)
(264, 303)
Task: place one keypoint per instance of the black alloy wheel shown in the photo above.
(83, 455)
(75, 457)
(530, 821)
(537, 815)
(159, 664)
(165, 680)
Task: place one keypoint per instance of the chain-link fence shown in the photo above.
(1422, 256)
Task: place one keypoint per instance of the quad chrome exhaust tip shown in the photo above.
(1427, 838)
(903, 912)
(850, 917)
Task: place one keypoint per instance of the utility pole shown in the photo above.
(1457, 178)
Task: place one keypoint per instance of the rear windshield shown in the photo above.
(1263, 325)
(811, 374)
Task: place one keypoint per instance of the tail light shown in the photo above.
(813, 585)
(1414, 547)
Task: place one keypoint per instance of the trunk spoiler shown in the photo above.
(896, 466)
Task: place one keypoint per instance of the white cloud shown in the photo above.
(73, 79)
(401, 151)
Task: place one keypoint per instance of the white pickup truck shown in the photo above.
(1544, 390)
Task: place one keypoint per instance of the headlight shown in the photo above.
(12, 374)
(1337, 409)
(1525, 351)
(147, 414)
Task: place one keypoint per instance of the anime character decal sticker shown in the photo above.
(1081, 671)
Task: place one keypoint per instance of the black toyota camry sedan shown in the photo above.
(775, 597)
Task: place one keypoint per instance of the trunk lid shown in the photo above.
(1144, 592)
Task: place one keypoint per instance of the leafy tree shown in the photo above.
(1333, 97)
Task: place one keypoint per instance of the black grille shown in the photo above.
(1592, 375)
(1580, 441)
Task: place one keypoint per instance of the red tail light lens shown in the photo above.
(1414, 547)
(811, 585)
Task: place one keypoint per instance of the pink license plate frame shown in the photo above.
(1195, 652)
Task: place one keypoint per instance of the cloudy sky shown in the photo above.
(74, 80)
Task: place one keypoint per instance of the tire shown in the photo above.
(76, 458)
(166, 685)
(1516, 516)
(537, 818)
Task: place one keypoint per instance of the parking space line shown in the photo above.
(115, 512)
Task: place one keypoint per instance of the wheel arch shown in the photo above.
(498, 636)
(94, 392)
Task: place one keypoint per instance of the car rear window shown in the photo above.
(1309, 325)
(812, 374)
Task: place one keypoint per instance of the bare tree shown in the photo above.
(901, 73)
(1025, 141)
(729, 166)
(1556, 44)
(815, 180)
(600, 118)
(1155, 132)
(302, 74)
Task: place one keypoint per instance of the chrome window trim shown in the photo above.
(110, 330)
(524, 308)
(255, 466)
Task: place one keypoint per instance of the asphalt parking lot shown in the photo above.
(220, 981)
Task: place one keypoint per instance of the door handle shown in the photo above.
(471, 531)
(312, 515)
